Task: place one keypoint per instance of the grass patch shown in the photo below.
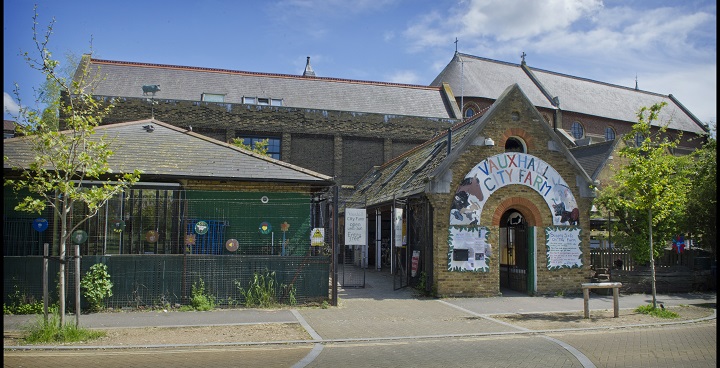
(50, 331)
(656, 312)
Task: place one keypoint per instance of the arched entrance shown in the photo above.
(514, 251)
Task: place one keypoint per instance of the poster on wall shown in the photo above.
(563, 247)
(355, 226)
(469, 250)
(513, 168)
(398, 227)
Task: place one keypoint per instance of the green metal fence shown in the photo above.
(144, 281)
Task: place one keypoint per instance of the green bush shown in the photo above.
(261, 291)
(96, 286)
(657, 312)
(200, 299)
(20, 303)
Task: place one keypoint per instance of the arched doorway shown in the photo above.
(514, 251)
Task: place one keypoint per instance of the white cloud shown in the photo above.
(404, 76)
(9, 105)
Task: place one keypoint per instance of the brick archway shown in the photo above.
(520, 133)
(529, 210)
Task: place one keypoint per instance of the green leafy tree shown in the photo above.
(702, 204)
(649, 191)
(58, 165)
(260, 147)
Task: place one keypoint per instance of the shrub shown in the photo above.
(200, 299)
(20, 303)
(96, 286)
(657, 312)
(261, 291)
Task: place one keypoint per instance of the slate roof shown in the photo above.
(171, 152)
(125, 79)
(485, 78)
(593, 157)
(418, 170)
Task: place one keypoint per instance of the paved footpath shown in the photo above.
(378, 314)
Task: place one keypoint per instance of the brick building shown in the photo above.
(366, 135)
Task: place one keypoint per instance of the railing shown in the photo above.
(622, 259)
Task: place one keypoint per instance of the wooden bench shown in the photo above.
(601, 285)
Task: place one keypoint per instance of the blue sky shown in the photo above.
(671, 46)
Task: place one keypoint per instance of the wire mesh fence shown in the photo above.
(162, 281)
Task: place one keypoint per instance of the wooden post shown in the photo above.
(586, 302)
(616, 302)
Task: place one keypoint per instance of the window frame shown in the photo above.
(573, 130)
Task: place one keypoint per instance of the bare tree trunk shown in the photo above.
(652, 260)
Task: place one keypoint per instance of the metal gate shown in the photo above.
(513, 274)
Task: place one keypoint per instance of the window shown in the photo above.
(609, 134)
(639, 139)
(469, 112)
(577, 130)
(273, 146)
(264, 101)
(213, 97)
(514, 144)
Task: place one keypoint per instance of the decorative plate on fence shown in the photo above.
(40, 224)
(201, 227)
(151, 236)
(265, 228)
(232, 245)
(79, 237)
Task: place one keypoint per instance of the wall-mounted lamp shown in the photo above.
(489, 142)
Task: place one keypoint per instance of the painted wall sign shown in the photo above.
(513, 168)
(355, 226)
(40, 224)
(469, 249)
(563, 247)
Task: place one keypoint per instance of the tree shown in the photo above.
(62, 163)
(649, 191)
(702, 203)
(260, 147)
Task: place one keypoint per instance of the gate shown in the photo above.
(513, 274)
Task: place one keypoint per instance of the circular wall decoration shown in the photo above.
(151, 236)
(201, 227)
(232, 245)
(40, 224)
(117, 225)
(265, 228)
(264, 199)
(79, 237)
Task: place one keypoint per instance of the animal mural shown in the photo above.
(466, 203)
(150, 89)
(564, 204)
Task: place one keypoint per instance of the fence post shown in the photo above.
(77, 285)
(46, 297)
(335, 222)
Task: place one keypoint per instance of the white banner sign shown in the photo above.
(355, 226)
(563, 247)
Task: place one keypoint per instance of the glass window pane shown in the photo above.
(577, 130)
(609, 134)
